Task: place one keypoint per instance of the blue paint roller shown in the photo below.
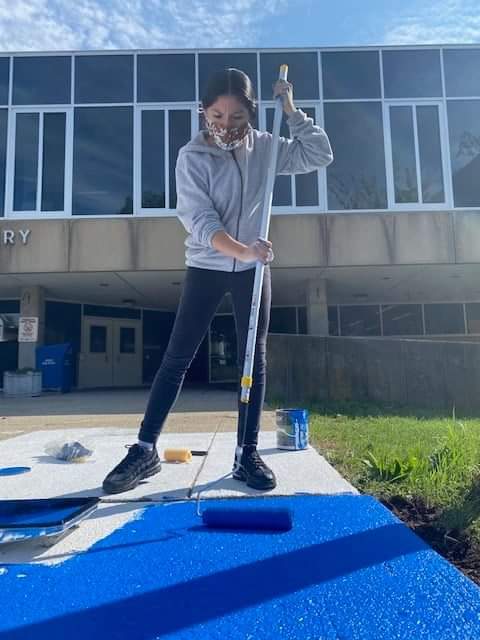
(259, 519)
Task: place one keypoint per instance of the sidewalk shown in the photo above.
(197, 410)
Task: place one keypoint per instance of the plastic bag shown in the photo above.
(68, 451)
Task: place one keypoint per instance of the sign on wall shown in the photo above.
(28, 329)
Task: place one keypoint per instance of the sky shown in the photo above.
(47, 25)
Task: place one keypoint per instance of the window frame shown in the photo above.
(38, 214)
(445, 158)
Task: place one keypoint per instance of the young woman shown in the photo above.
(220, 177)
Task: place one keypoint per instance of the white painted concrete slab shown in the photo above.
(52, 478)
(296, 471)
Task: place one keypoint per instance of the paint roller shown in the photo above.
(264, 519)
(261, 519)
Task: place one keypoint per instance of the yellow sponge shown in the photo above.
(177, 455)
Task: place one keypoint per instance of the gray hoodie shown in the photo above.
(221, 190)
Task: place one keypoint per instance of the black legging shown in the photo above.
(202, 293)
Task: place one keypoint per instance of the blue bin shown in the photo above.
(56, 364)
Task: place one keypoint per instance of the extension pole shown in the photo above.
(247, 378)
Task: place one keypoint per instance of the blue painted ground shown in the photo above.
(347, 570)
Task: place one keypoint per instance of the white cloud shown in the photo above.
(39, 25)
(440, 22)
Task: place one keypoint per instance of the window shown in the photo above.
(153, 162)
(166, 77)
(473, 317)
(4, 76)
(462, 72)
(3, 156)
(416, 154)
(106, 78)
(412, 73)
(444, 318)
(208, 63)
(356, 180)
(464, 133)
(332, 321)
(41, 80)
(98, 339)
(402, 320)
(301, 189)
(179, 135)
(39, 140)
(127, 340)
(283, 320)
(302, 73)
(360, 320)
(153, 159)
(351, 74)
(103, 161)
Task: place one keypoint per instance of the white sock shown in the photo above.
(146, 445)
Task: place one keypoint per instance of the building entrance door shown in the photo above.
(111, 353)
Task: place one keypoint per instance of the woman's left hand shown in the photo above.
(284, 89)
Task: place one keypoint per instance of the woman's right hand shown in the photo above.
(259, 250)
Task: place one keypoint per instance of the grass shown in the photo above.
(388, 451)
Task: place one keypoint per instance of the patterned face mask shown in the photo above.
(228, 139)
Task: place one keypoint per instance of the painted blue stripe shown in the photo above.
(347, 570)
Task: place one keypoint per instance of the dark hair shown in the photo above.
(230, 82)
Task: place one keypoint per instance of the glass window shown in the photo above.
(464, 132)
(360, 320)
(3, 155)
(179, 135)
(473, 317)
(127, 340)
(42, 80)
(103, 161)
(283, 320)
(106, 78)
(29, 135)
(4, 75)
(26, 162)
(402, 320)
(403, 152)
(356, 180)
(332, 321)
(53, 181)
(302, 320)
(412, 74)
(351, 74)
(282, 191)
(302, 73)
(98, 339)
(444, 318)
(306, 184)
(462, 72)
(153, 159)
(430, 152)
(166, 77)
(210, 62)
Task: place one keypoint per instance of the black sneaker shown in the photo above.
(139, 463)
(254, 471)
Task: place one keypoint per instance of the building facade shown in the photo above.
(383, 242)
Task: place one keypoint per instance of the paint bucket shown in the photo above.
(292, 429)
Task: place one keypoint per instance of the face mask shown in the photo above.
(228, 139)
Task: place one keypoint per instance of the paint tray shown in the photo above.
(26, 519)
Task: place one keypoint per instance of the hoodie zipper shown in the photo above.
(241, 202)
